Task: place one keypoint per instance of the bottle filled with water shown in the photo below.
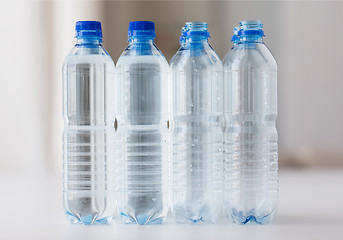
(141, 119)
(88, 89)
(197, 128)
(251, 151)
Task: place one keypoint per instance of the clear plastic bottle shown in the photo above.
(142, 122)
(251, 151)
(196, 75)
(88, 89)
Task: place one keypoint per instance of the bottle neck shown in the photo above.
(141, 45)
(196, 32)
(88, 41)
(149, 40)
(251, 31)
(196, 46)
(251, 38)
(196, 39)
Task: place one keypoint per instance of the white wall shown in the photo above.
(36, 37)
(311, 66)
(24, 92)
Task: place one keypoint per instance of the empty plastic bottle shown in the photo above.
(197, 169)
(142, 121)
(88, 81)
(251, 151)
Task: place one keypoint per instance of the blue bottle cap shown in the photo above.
(141, 28)
(88, 29)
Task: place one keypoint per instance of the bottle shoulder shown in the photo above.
(142, 63)
(88, 49)
(80, 55)
(141, 55)
(250, 55)
(142, 48)
(199, 59)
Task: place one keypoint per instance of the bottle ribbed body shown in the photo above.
(88, 138)
(197, 133)
(142, 123)
(251, 150)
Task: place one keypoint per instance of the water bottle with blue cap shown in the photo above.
(88, 138)
(197, 128)
(141, 119)
(251, 150)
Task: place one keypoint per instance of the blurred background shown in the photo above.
(304, 37)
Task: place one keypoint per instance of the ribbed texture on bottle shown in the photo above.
(198, 152)
(89, 159)
(251, 171)
(251, 25)
(143, 178)
(143, 164)
(197, 168)
(196, 26)
(89, 155)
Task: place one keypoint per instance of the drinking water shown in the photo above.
(197, 127)
(141, 120)
(251, 151)
(88, 138)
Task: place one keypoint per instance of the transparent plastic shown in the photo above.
(141, 120)
(197, 129)
(88, 138)
(235, 38)
(251, 150)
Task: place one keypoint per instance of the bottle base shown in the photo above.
(141, 219)
(251, 217)
(89, 219)
(192, 216)
(143, 208)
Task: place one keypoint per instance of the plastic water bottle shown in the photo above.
(197, 169)
(142, 121)
(251, 151)
(88, 81)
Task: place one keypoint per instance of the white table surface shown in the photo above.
(310, 207)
